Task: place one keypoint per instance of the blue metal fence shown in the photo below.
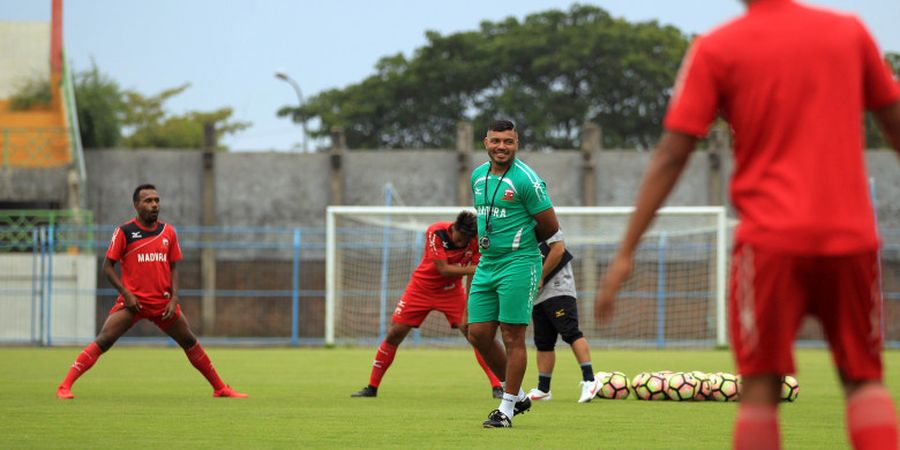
(299, 249)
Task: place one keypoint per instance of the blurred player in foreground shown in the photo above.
(436, 285)
(793, 82)
(556, 314)
(148, 289)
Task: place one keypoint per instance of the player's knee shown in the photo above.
(511, 340)
(394, 339)
(544, 343)
(105, 341)
(544, 347)
(187, 342)
(571, 336)
(761, 389)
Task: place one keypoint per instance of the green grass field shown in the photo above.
(435, 398)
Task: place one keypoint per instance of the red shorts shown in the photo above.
(770, 293)
(151, 311)
(415, 305)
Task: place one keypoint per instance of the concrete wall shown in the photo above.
(420, 177)
(69, 311)
(288, 189)
(34, 185)
(268, 189)
(113, 174)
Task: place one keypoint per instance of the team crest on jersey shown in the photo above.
(508, 195)
(165, 242)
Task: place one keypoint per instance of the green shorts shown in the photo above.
(504, 289)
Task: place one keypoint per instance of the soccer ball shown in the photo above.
(615, 386)
(638, 380)
(723, 387)
(652, 387)
(664, 374)
(682, 386)
(702, 392)
(790, 388)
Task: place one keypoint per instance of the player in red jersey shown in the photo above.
(148, 289)
(793, 82)
(436, 285)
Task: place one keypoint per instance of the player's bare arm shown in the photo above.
(664, 169)
(452, 270)
(889, 120)
(172, 306)
(130, 301)
(547, 224)
(554, 256)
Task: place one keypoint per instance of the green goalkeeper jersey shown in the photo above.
(517, 196)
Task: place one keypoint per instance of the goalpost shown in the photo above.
(674, 298)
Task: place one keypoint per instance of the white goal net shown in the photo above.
(674, 298)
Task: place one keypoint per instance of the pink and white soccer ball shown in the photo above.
(614, 387)
(652, 387)
(638, 380)
(724, 387)
(682, 386)
(790, 388)
(702, 378)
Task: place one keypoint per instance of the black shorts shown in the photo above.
(556, 316)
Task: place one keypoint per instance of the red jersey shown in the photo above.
(146, 256)
(438, 246)
(793, 82)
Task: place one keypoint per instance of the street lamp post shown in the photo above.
(281, 75)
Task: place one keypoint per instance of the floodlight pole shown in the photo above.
(281, 75)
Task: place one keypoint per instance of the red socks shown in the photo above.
(197, 356)
(85, 361)
(872, 419)
(756, 427)
(495, 382)
(383, 359)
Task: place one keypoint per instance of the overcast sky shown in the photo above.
(229, 50)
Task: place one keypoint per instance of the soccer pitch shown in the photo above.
(431, 398)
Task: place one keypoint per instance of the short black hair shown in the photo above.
(137, 191)
(502, 125)
(466, 223)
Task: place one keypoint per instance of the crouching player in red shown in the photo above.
(148, 250)
(436, 285)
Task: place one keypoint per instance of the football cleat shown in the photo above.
(497, 419)
(64, 393)
(537, 394)
(588, 390)
(227, 391)
(367, 391)
(521, 406)
(497, 392)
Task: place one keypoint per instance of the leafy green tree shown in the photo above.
(152, 127)
(550, 73)
(874, 137)
(100, 107)
(111, 117)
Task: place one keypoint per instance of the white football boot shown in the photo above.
(537, 394)
(588, 390)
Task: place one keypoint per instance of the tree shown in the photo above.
(152, 127)
(874, 137)
(100, 107)
(110, 117)
(549, 73)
